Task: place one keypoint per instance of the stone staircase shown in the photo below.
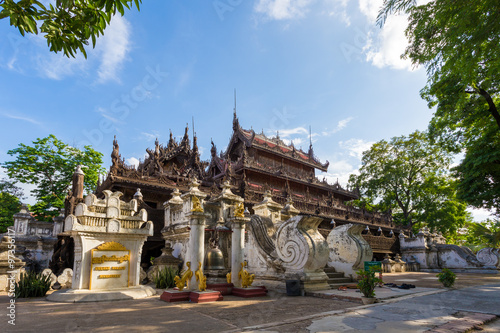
(336, 279)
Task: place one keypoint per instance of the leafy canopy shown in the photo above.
(10, 203)
(49, 164)
(408, 175)
(458, 42)
(69, 24)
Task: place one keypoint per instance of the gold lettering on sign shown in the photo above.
(109, 276)
(118, 268)
(102, 268)
(111, 246)
(103, 259)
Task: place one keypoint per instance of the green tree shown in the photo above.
(10, 203)
(49, 164)
(458, 42)
(408, 175)
(68, 25)
(487, 232)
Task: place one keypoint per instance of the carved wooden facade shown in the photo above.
(253, 164)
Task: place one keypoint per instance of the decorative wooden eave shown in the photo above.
(275, 146)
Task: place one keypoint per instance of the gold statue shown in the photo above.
(239, 211)
(228, 277)
(202, 279)
(197, 205)
(246, 278)
(180, 282)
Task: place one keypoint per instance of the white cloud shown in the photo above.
(370, 9)
(58, 66)
(385, 46)
(385, 50)
(481, 214)
(296, 142)
(340, 126)
(23, 118)
(132, 161)
(356, 147)
(337, 8)
(149, 136)
(108, 116)
(282, 9)
(339, 170)
(286, 133)
(115, 45)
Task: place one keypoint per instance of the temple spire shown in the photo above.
(236, 124)
(310, 138)
(311, 153)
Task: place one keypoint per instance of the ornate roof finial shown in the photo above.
(310, 138)
(171, 141)
(185, 139)
(195, 142)
(311, 153)
(236, 124)
(192, 120)
(213, 150)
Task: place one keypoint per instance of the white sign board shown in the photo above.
(110, 267)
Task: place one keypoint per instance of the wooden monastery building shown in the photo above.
(253, 164)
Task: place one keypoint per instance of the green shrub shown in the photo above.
(164, 278)
(447, 278)
(32, 284)
(367, 281)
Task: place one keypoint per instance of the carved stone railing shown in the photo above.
(131, 224)
(97, 209)
(92, 221)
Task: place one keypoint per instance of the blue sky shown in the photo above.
(293, 63)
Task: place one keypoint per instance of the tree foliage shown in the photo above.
(68, 25)
(408, 175)
(487, 232)
(458, 42)
(10, 203)
(49, 164)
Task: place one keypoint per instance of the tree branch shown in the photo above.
(492, 107)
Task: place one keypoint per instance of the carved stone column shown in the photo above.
(196, 244)
(237, 246)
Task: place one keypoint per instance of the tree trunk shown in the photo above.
(492, 107)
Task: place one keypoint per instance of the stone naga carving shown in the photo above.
(348, 249)
(245, 277)
(303, 251)
(262, 227)
(180, 282)
(489, 257)
(52, 276)
(65, 278)
(200, 278)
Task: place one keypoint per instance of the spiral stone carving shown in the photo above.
(300, 246)
(293, 252)
(489, 257)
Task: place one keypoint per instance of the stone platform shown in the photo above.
(85, 295)
(224, 288)
(250, 292)
(205, 296)
(173, 295)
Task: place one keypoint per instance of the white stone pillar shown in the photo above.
(196, 244)
(237, 246)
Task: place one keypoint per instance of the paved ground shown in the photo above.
(275, 313)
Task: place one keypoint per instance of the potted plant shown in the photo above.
(367, 281)
(447, 278)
